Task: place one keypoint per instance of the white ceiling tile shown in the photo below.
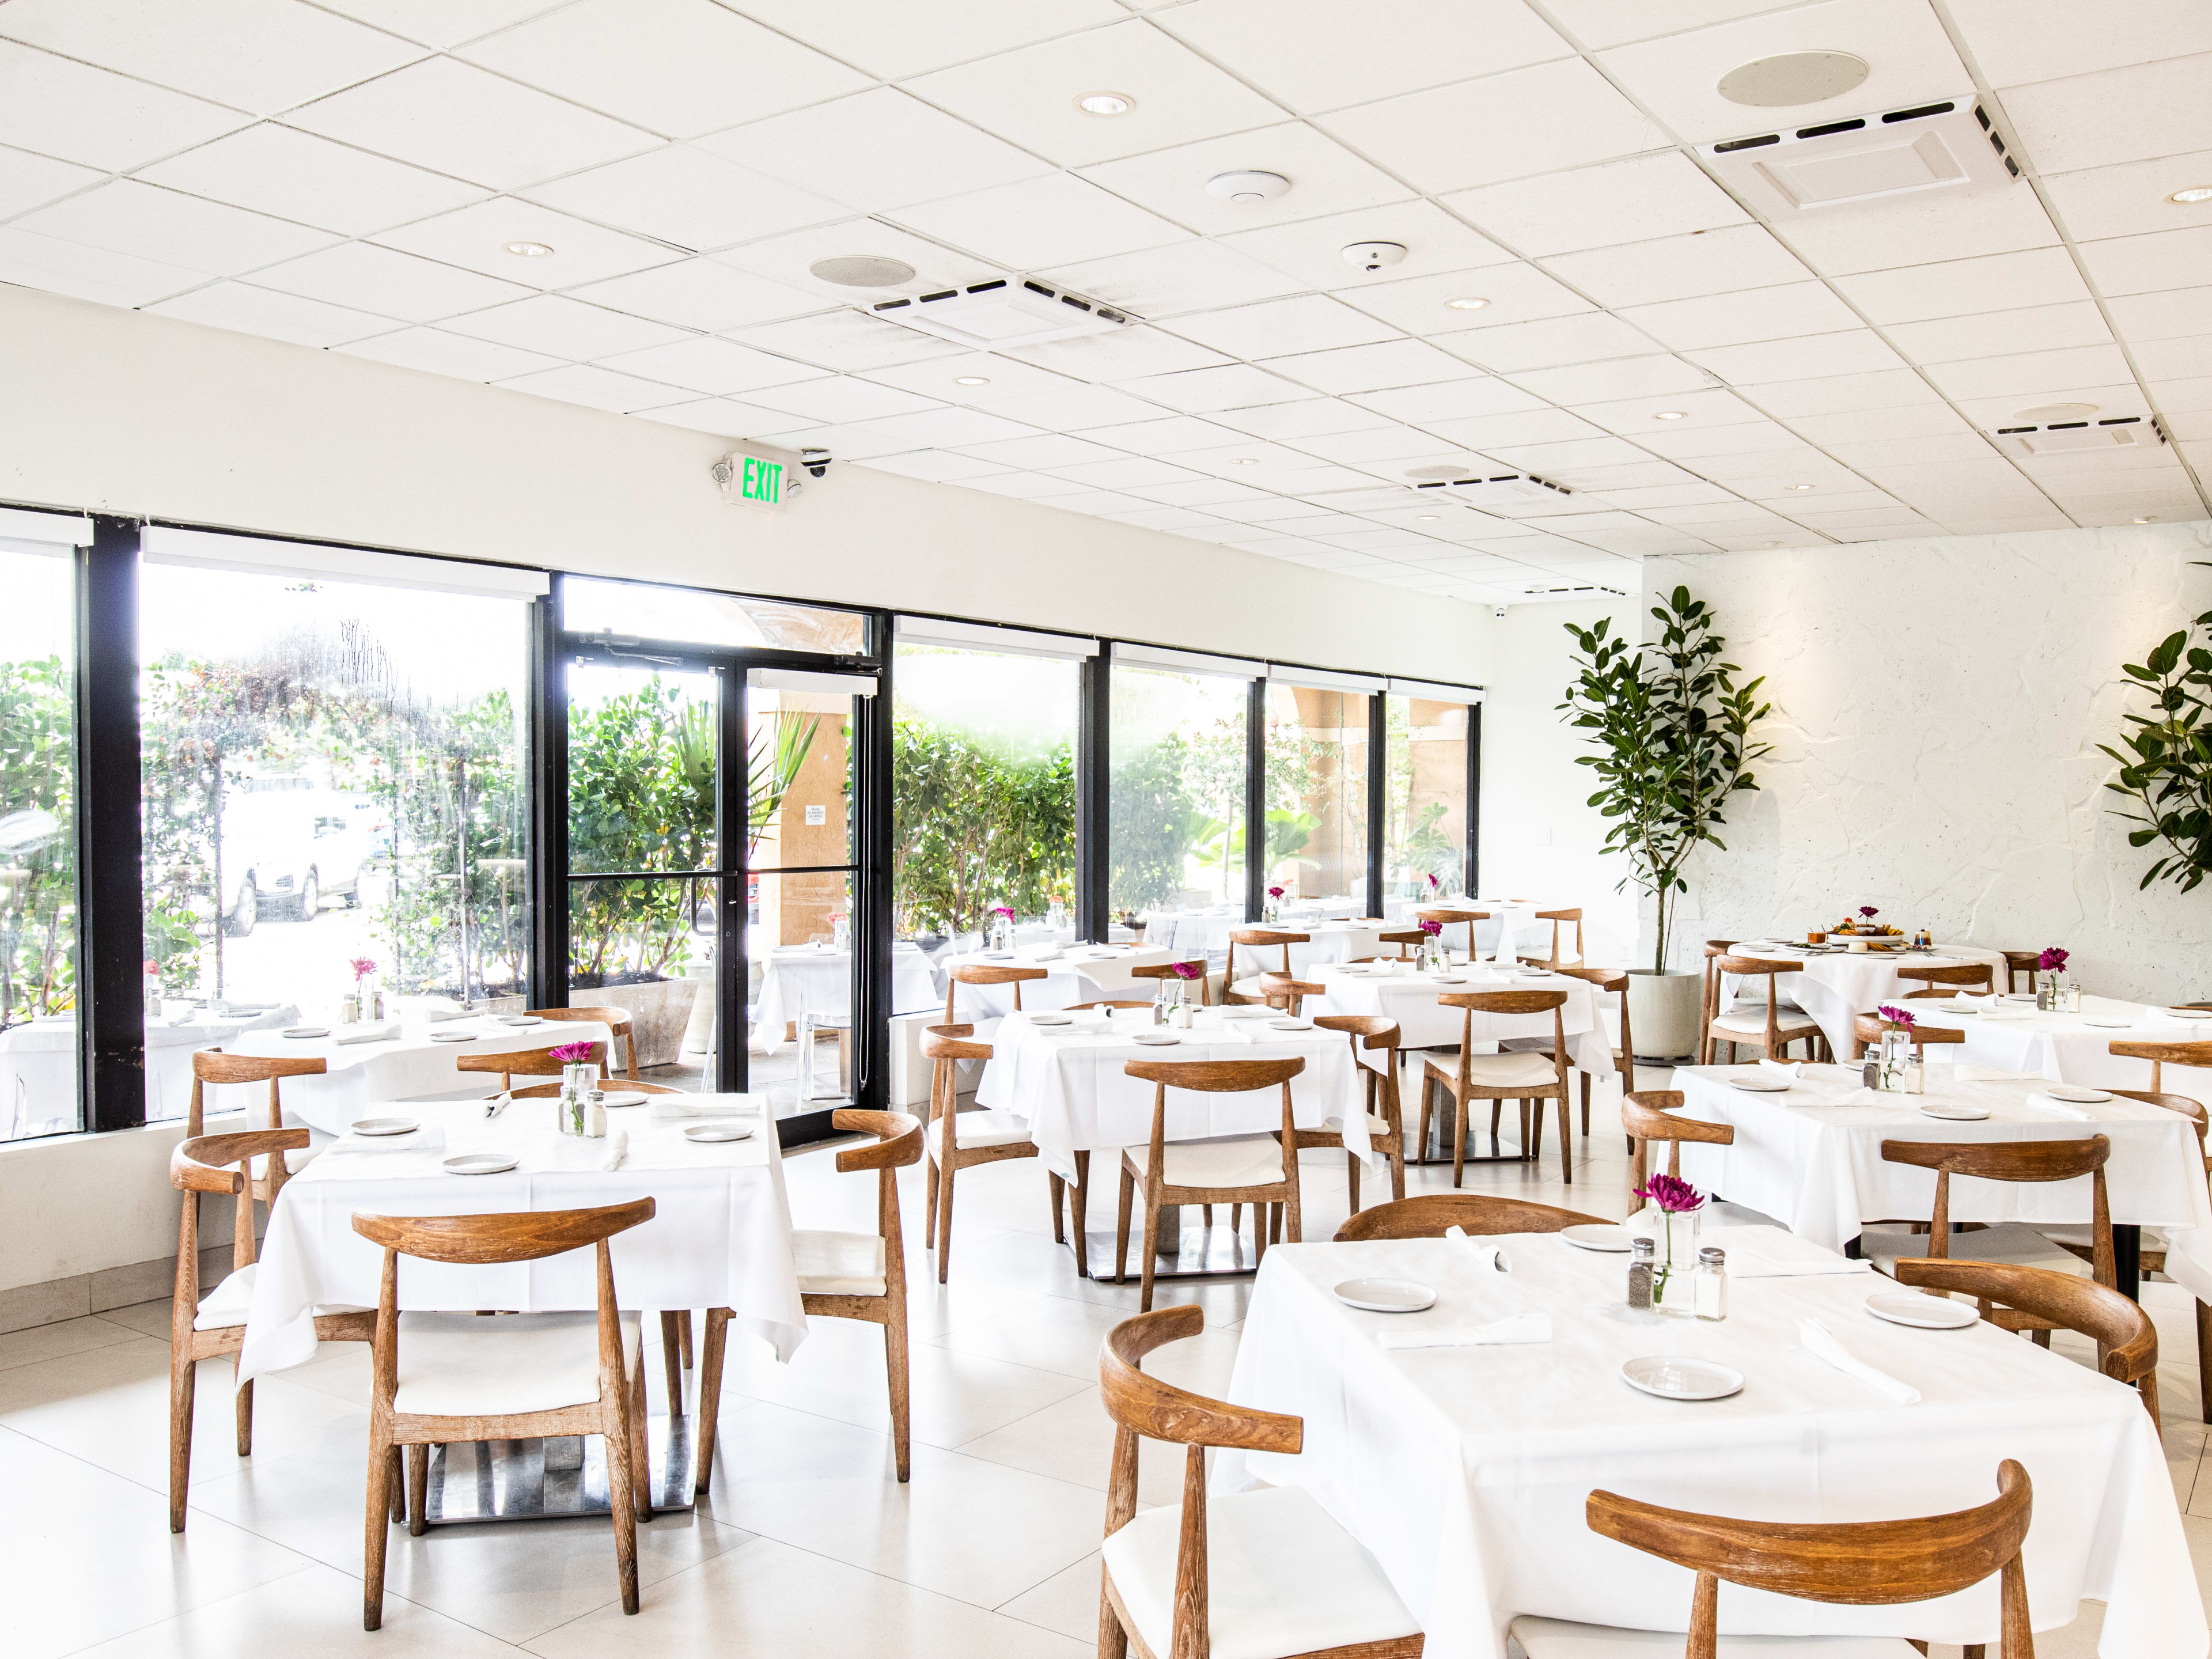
(1752, 449)
(1851, 352)
(1834, 394)
(1511, 126)
(595, 388)
(789, 258)
(1023, 486)
(1875, 457)
(839, 398)
(1027, 96)
(561, 327)
(453, 118)
(1572, 456)
(1307, 418)
(1074, 405)
(1597, 24)
(1127, 354)
(2138, 114)
(1760, 313)
(845, 340)
(125, 216)
(1398, 444)
(296, 175)
(1677, 77)
(1054, 220)
(477, 238)
(702, 294)
(1325, 178)
(376, 279)
(2173, 315)
(1444, 400)
(1371, 367)
(1872, 425)
(1514, 293)
(1641, 199)
(1199, 492)
(894, 38)
(1723, 261)
(1001, 379)
(934, 429)
(437, 352)
(681, 194)
(1177, 520)
(2015, 41)
(1920, 230)
(1041, 450)
(879, 149)
(29, 182)
(1640, 416)
(1964, 288)
(2032, 373)
(258, 55)
(2174, 359)
(1201, 391)
(1312, 249)
(1311, 322)
(1182, 277)
(717, 367)
(2125, 264)
(440, 22)
(675, 67)
(1535, 426)
(1624, 377)
(936, 465)
(83, 114)
(2040, 328)
(2125, 201)
(1126, 472)
(249, 310)
(1658, 500)
(2003, 407)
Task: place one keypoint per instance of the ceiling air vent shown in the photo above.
(1502, 490)
(1868, 158)
(1009, 312)
(2071, 437)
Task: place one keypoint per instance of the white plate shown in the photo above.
(1155, 1039)
(1051, 1019)
(1451, 979)
(2109, 1024)
(2017, 996)
(1602, 1236)
(2190, 1014)
(453, 1037)
(1760, 1085)
(518, 1020)
(718, 1132)
(2080, 1097)
(386, 1125)
(623, 1097)
(1386, 1295)
(1676, 1376)
(308, 1031)
(1961, 1007)
(481, 1164)
(1289, 1025)
(1959, 1114)
(1925, 1313)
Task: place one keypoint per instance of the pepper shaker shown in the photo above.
(1641, 1263)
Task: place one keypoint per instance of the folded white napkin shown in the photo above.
(372, 1034)
(439, 1016)
(431, 1139)
(618, 1149)
(499, 1103)
(1461, 1332)
(2063, 1108)
(1820, 1342)
(1487, 1255)
(1793, 1071)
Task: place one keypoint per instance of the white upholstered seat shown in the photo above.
(228, 1302)
(458, 1364)
(1245, 1161)
(983, 1129)
(839, 1264)
(1282, 1578)
(1515, 1070)
(2012, 1242)
(1752, 1021)
(1557, 1639)
(1249, 989)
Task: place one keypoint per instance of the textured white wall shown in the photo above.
(1937, 708)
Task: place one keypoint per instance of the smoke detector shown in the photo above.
(1373, 256)
(991, 316)
(1950, 146)
(1247, 188)
(2068, 437)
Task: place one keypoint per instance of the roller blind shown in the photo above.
(978, 636)
(162, 544)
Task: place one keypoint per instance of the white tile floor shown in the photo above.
(806, 1548)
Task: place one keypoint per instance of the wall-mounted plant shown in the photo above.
(2167, 770)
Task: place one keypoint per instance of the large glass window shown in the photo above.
(640, 610)
(1177, 812)
(1317, 793)
(983, 790)
(332, 775)
(1426, 796)
(38, 845)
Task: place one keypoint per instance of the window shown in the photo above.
(689, 616)
(1425, 796)
(1178, 784)
(1316, 791)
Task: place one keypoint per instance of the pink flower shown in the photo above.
(571, 1054)
(1005, 910)
(1671, 1193)
(1895, 1015)
(2053, 960)
(1433, 928)
(362, 967)
(1275, 892)
(1433, 884)
(1188, 970)
(1868, 910)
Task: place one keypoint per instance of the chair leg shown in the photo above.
(1495, 1108)
(1586, 1088)
(1294, 1226)
(1459, 1136)
(929, 1204)
(1205, 1216)
(1566, 1142)
(715, 1339)
(184, 1374)
(1055, 1189)
(671, 1364)
(1151, 1241)
(398, 1487)
(243, 1405)
(1351, 1178)
(1428, 1097)
(683, 1334)
(418, 1489)
(377, 1523)
(2204, 1362)
(944, 1221)
(640, 1450)
(619, 1430)
(895, 1373)
(1079, 1208)
(1121, 1227)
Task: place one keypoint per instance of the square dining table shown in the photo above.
(1836, 984)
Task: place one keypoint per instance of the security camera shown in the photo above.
(1372, 256)
(1498, 611)
(815, 461)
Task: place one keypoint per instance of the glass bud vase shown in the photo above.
(1002, 933)
(2046, 991)
(576, 1082)
(1166, 1000)
(1674, 1235)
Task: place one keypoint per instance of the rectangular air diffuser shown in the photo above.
(1009, 312)
(2072, 437)
(1870, 158)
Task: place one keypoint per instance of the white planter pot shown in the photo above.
(1663, 1010)
(658, 1011)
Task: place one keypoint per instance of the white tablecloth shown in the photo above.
(406, 1067)
(1076, 1096)
(1512, 923)
(2069, 1048)
(1811, 1157)
(1192, 934)
(1108, 968)
(1838, 987)
(39, 1066)
(1411, 1000)
(800, 982)
(721, 1236)
(1465, 1471)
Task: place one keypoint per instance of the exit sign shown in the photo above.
(768, 481)
(760, 481)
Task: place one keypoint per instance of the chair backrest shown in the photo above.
(940, 1043)
(1508, 1002)
(1429, 1215)
(1144, 1407)
(1747, 967)
(1444, 918)
(1966, 973)
(2013, 1160)
(1284, 991)
(1867, 1030)
(1613, 982)
(1649, 1115)
(1405, 941)
(217, 1164)
(2163, 1054)
(1555, 917)
(1216, 1077)
(548, 1091)
(1256, 938)
(527, 1062)
(1367, 1032)
(2127, 1341)
(1855, 1563)
(214, 1066)
(2021, 961)
(1167, 970)
(1715, 949)
(897, 1144)
(985, 973)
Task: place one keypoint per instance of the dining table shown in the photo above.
(2074, 1045)
(1836, 983)
(1402, 991)
(1463, 1462)
(807, 985)
(38, 1061)
(1076, 969)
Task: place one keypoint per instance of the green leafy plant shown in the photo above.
(976, 824)
(2167, 768)
(1673, 735)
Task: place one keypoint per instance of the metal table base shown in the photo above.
(1188, 1249)
(551, 1479)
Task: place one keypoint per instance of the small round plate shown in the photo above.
(1451, 979)
(385, 1126)
(718, 1132)
(2079, 1096)
(2190, 1014)
(1961, 1008)
(518, 1020)
(1925, 1313)
(1386, 1295)
(2109, 1024)
(481, 1164)
(1155, 1039)
(1289, 1025)
(1602, 1236)
(1050, 1019)
(453, 1037)
(621, 1098)
(308, 1031)
(1957, 1114)
(1677, 1376)
(1760, 1085)
(2017, 996)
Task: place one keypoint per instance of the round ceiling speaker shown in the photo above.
(862, 270)
(1246, 188)
(1441, 474)
(2048, 414)
(1793, 77)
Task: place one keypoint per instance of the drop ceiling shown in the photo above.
(350, 176)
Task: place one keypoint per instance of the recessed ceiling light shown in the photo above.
(1105, 103)
(969, 379)
(1671, 415)
(2142, 520)
(1431, 517)
(1243, 460)
(1801, 486)
(1467, 305)
(2193, 195)
(527, 250)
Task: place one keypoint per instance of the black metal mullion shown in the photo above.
(1094, 783)
(872, 891)
(1378, 794)
(1474, 799)
(732, 835)
(547, 769)
(1255, 797)
(111, 920)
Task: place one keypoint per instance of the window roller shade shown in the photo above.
(163, 544)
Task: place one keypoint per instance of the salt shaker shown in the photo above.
(1709, 1284)
(1641, 1264)
(595, 1116)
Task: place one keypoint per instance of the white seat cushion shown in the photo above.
(982, 1129)
(1282, 1578)
(226, 1303)
(1752, 1021)
(1245, 1161)
(839, 1264)
(2013, 1243)
(1378, 1130)
(1556, 1638)
(1248, 989)
(458, 1364)
(1519, 1070)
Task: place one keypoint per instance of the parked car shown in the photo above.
(286, 849)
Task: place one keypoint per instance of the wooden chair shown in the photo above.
(985, 973)
(1613, 982)
(1555, 960)
(843, 1275)
(1283, 992)
(1867, 1030)
(1771, 1029)
(208, 1327)
(527, 1062)
(2021, 961)
(552, 1091)
(1255, 1170)
(510, 1377)
(1386, 1126)
(1234, 989)
(957, 1140)
(2127, 1341)
(1106, 1002)
(1429, 1215)
(618, 1022)
(213, 1066)
(1303, 1585)
(1452, 919)
(1851, 1564)
(2011, 1243)
(2163, 1054)
(1529, 1078)
(1966, 974)
(1648, 1116)
(1167, 970)
(1407, 943)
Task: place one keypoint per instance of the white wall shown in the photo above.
(1937, 708)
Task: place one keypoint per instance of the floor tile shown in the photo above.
(1067, 1602)
(37, 1342)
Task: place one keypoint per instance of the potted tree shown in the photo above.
(1672, 733)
